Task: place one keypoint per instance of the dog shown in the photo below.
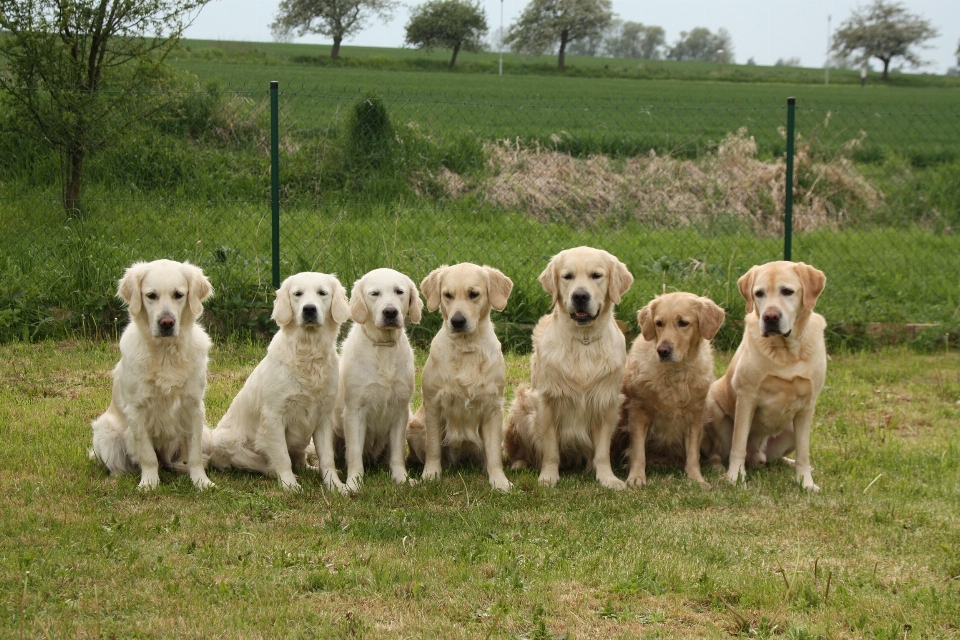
(569, 412)
(762, 407)
(377, 374)
(461, 418)
(291, 394)
(668, 373)
(156, 414)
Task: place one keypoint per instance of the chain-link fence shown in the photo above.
(688, 194)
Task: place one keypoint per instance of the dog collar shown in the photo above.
(378, 343)
(590, 339)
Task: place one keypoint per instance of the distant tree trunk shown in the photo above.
(563, 47)
(886, 68)
(73, 176)
(335, 52)
(456, 50)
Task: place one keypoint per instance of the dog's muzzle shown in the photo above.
(309, 314)
(458, 323)
(580, 300)
(770, 325)
(665, 351)
(390, 317)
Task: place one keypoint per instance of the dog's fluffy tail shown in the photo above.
(417, 437)
(519, 434)
(110, 443)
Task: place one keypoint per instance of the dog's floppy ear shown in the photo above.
(430, 286)
(282, 308)
(128, 288)
(645, 320)
(200, 288)
(358, 303)
(711, 318)
(745, 284)
(339, 307)
(813, 281)
(549, 279)
(415, 310)
(620, 280)
(499, 287)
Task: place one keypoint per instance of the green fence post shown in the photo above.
(275, 176)
(788, 204)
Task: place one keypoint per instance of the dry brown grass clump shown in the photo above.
(666, 191)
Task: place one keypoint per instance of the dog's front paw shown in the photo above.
(400, 478)
(148, 481)
(548, 478)
(499, 481)
(639, 480)
(431, 472)
(202, 483)
(612, 482)
(291, 485)
(736, 473)
(809, 484)
(354, 484)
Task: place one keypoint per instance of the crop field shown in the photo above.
(874, 555)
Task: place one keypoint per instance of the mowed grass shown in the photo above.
(876, 554)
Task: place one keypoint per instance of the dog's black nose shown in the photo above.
(390, 313)
(580, 297)
(458, 322)
(309, 311)
(664, 351)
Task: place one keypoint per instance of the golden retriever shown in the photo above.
(763, 406)
(668, 373)
(291, 395)
(156, 413)
(461, 418)
(568, 414)
(377, 373)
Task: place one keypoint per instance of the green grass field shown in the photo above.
(875, 555)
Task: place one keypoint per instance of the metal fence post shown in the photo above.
(275, 177)
(788, 204)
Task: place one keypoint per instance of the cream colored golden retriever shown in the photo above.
(156, 414)
(668, 373)
(461, 418)
(568, 414)
(291, 395)
(763, 406)
(377, 373)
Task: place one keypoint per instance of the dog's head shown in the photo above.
(310, 300)
(586, 282)
(465, 293)
(783, 294)
(164, 295)
(678, 322)
(385, 298)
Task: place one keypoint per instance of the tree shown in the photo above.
(884, 31)
(700, 44)
(335, 19)
(72, 63)
(636, 40)
(545, 23)
(447, 24)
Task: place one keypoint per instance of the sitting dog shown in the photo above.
(377, 373)
(668, 373)
(763, 406)
(568, 414)
(291, 395)
(156, 413)
(461, 418)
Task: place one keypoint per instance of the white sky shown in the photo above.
(763, 29)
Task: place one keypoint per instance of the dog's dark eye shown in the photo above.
(786, 292)
(659, 323)
(399, 292)
(448, 296)
(177, 295)
(375, 294)
(568, 276)
(683, 323)
(297, 294)
(151, 296)
(321, 292)
(759, 294)
(596, 276)
(474, 295)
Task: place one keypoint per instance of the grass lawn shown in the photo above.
(875, 555)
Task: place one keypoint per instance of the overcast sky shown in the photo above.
(765, 30)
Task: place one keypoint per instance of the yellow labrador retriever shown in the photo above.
(156, 415)
(568, 414)
(461, 418)
(377, 373)
(291, 395)
(763, 405)
(668, 373)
